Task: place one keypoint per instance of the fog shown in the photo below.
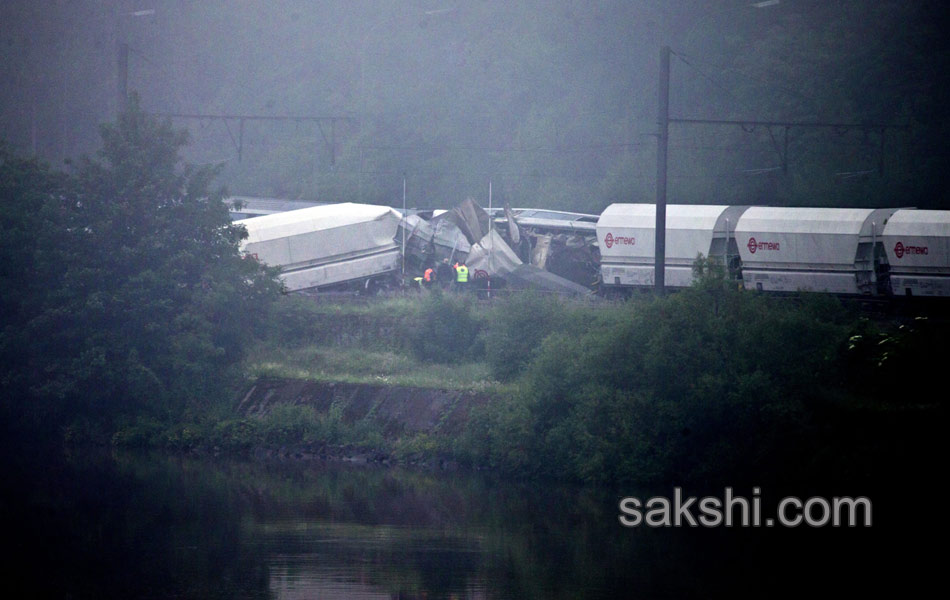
(554, 102)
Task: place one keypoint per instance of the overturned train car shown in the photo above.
(329, 246)
(862, 252)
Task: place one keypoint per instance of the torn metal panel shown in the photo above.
(428, 242)
(451, 239)
(574, 257)
(418, 235)
(492, 256)
(562, 243)
(542, 247)
(552, 221)
(470, 218)
(513, 233)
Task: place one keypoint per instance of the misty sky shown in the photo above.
(553, 99)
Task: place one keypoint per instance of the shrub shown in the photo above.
(143, 432)
(445, 329)
(236, 434)
(707, 382)
(515, 329)
(290, 423)
(294, 320)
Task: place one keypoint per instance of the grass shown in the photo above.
(369, 340)
(390, 306)
(358, 341)
(357, 365)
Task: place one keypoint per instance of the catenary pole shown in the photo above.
(403, 224)
(663, 121)
(491, 247)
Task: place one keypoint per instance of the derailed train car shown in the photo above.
(327, 246)
(861, 252)
(366, 247)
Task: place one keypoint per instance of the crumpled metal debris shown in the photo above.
(541, 249)
(514, 234)
(558, 245)
(470, 218)
(492, 256)
(429, 242)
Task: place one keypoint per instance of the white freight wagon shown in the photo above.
(834, 250)
(326, 245)
(626, 235)
(917, 243)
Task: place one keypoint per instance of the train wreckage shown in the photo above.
(853, 252)
(370, 247)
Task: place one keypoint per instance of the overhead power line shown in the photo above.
(320, 120)
(782, 149)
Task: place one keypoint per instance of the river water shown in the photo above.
(157, 526)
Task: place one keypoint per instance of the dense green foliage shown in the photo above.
(27, 221)
(123, 291)
(516, 330)
(708, 382)
(445, 328)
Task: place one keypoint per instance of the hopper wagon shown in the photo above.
(917, 246)
(626, 234)
(852, 252)
(832, 250)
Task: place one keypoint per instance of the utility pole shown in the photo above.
(404, 224)
(491, 240)
(663, 121)
(122, 55)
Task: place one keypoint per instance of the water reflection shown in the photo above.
(131, 526)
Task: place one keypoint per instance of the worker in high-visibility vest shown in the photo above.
(461, 276)
(428, 276)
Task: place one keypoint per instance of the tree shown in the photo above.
(144, 300)
(27, 221)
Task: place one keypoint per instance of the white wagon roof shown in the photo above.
(905, 221)
(309, 220)
(678, 216)
(844, 221)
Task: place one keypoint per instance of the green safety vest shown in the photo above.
(462, 273)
